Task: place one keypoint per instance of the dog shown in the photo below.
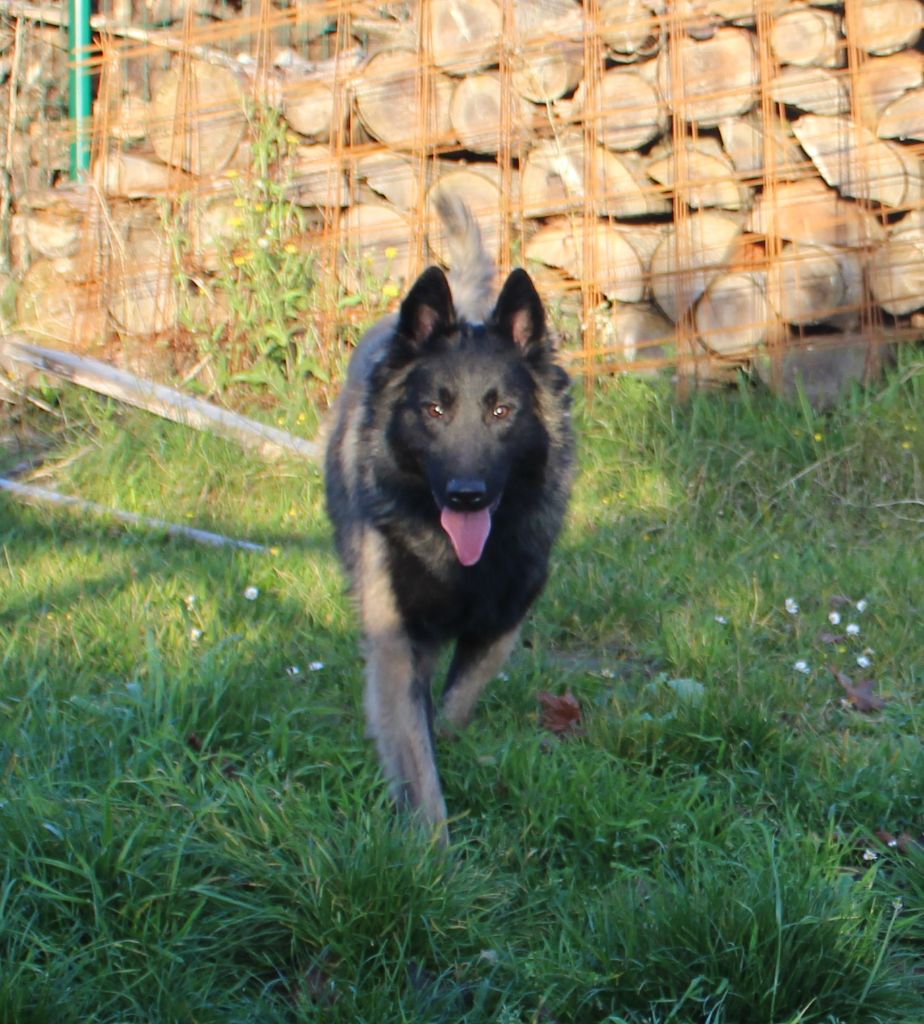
(448, 470)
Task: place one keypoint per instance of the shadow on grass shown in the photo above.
(150, 552)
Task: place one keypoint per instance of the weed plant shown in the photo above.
(253, 319)
(193, 827)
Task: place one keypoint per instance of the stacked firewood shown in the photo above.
(744, 174)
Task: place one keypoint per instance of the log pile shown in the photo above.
(742, 176)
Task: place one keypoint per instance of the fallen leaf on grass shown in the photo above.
(860, 694)
(230, 768)
(312, 985)
(227, 766)
(904, 842)
(560, 714)
(421, 980)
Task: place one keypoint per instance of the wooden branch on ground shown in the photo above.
(156, 398)
(39, 495)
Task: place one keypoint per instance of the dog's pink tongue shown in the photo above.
(468, 532)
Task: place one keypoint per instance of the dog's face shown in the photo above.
(467, 417)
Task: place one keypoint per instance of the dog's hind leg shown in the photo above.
(474, 664)
(399, 710)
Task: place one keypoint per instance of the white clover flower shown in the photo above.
(721, 620)
(293, 670)
(834, 618)
(252, 593)
(195, 635)
(852, 629)
(803, 667)
(791, 605)
(864, 661)
(870, 855)
(315, 666)
(862, 605)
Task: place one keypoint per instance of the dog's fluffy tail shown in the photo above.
(471, 268)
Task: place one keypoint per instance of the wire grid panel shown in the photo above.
(714, 185)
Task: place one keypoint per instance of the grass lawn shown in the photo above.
(193, 828)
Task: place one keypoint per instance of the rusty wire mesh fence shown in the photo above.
(709, 185)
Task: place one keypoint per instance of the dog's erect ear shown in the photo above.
(426, 307)
(519, 313)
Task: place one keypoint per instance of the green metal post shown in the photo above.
(80, 83)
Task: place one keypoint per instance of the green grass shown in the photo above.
(191, 832)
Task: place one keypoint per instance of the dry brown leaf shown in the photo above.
(860, 694)
(313, 985)
(886, 837)
(561, 714)
(904, 842)
(228, 767)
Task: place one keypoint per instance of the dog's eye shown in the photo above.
(501, 411)
(434, 410)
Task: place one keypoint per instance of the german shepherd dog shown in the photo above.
(447, 471)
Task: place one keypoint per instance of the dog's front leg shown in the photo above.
(399, 714)
(475, 663)
(399, 709)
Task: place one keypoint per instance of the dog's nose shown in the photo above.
(466, 495)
